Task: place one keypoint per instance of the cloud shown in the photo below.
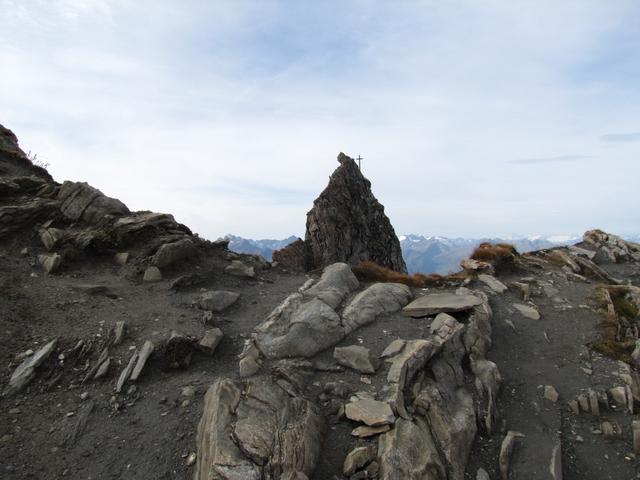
(230, 114)
(560, 158)
(621, 137)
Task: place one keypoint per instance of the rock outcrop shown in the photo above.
(346, 224)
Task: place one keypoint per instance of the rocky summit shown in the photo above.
(346, 224)
(133, 348)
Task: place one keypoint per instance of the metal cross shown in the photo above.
(359, 159)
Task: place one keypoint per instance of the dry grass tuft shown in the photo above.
(369, 271)
(500, 255)
(611, 341)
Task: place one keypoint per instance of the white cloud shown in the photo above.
(231, 114)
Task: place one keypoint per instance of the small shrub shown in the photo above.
(369, 271)
(500, 255)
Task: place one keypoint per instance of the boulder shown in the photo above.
(50, 237)
(357, 358)
(218, 300)
(358, 458)
(493, 283)
(170, 253)
(239, 269)
(434, 303)
(378, 299)
(348, 224)
(257, 430)
(614, 248)
(80, 201)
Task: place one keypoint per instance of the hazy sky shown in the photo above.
(475, 118)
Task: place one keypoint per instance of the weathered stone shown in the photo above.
(256, 432)
(555, 465)
(218, 300)
(524, 289)
(488, 381)
(394, 348)
(50, 237)
(472, 265)
(103, 368)
(170, 253)
(291, 257)
(434, 303)
(26, 370)
(527, 311)
(371, 412)
(119, 331)
(493, 283)
(613, 247)
(550, 393)
(239, 269)
(50, 263)
(408, 452)
(482, 474)
(121, 258)
(378, 299)
(126, 373)
(348, 224)
(152, 274)
(506, 450)
(357, 358)
(336, 282)
(145, 353)
(249, 359)
(358, 458)
(366, 432)
(635, 428)
(80, 201)
(210, 340)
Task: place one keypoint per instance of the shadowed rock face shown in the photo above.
(348, 224)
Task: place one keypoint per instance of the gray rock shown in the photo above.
(482, 474)
(506, 450)
(239, 269)
(50, 237)
(119, 331)
(336, 282)
(358, 458)
(364, 431)
(635, 428)
(26, 370)
(371, 412)
(528, 311)
(256, 431)
(493, 283)
(394, 348)
(145, 353)
(249, 359)
(348, 224)
(50, 263)
(218, 300)
(126, 373)
(378, 299)
(121, 258)
(170, 253)
(210, 340)
(550, 393)
(152, 275)
(80, 201)
(434, 303)
(357, 358)
(103, 368)
(401, 458)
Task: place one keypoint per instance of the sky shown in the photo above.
(474, 118)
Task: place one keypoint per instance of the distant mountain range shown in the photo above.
(426, 254)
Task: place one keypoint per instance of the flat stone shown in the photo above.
(365, 432)
(493, 283)
(357, 358)
(239, 269)
(103, 368)
(394, 348)
(119, 331)
(170, 253)
(145, 352)
(152, 274)
(210, 340)
(26, 370)
(434, 303)
(358, 458)
(527, 311)
(218, 300)
(371, 412)
(124, 375)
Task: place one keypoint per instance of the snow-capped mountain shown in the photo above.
(258, 247)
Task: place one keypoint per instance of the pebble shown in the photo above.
(84, 395)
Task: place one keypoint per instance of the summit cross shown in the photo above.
(359, 159)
